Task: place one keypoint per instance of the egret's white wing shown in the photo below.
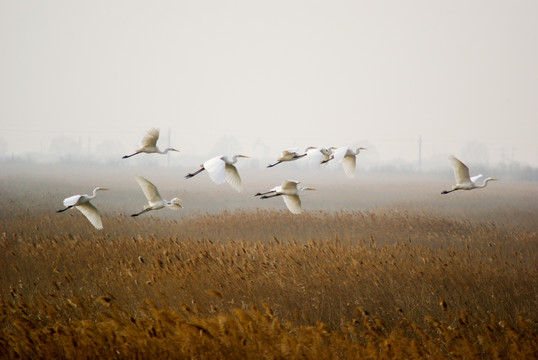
(72, 200)
(348, 162)
(289, 186)
(216, 169)
(174, 204)
(340, 153)
(150, 138)
(233, 178)
(293, 202)
(292, 150)
(474, 178)
(150, 190)
(314, 158)
(325, 154)
(461, 171)
(91, 213)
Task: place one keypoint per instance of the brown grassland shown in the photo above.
(452, 277)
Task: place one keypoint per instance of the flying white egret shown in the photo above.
(463, 180)
(148, 144)
(290, 155)
(290, 192)
(348, 158)
(83, 204)
(155, 201)
(221, 169)
(318, 156)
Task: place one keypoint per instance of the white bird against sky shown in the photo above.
(290, 191)
(290, 155)
(221, 169)
(348, 158)
(155, 200)
(148, 144)
(463, 180)
(318, 156)
(82, 203)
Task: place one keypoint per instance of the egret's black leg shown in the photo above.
(188, 176)
(269, 196)
(141, 212)
(329, 159)
(128, 156)
(62, 210)
(265, 193)
(271, 165)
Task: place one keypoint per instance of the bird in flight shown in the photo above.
(463, 180)
(290, 191)
(155, 201)
(348, 158)
(148, 144)
(290, 155)
(82, 203)
(221, 169)
(318, 156)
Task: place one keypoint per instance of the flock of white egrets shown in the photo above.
(221, 169)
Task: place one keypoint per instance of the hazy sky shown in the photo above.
(284, 73)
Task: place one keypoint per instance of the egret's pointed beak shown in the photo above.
(105, 189)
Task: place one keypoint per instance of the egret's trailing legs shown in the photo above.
(265, 193)
(188, 176)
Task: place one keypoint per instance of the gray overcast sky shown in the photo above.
(287, 72)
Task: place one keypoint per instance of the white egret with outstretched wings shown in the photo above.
(348, 158)
(221, 169)
(82, 203)
(290, 191)
(155, 200)
(290, 154)
(463, 179)
(318, 156)
(148, 144)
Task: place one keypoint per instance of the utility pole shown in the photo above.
(420, 153)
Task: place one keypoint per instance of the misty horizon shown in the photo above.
(272, 76)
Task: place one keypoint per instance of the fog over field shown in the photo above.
(41, 188)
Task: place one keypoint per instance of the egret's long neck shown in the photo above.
(234, 159)
(485, 183)
(95, 192)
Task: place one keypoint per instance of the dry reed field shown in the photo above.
(410, 278)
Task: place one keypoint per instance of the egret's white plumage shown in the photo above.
(463, 179)
(221, 169)
(148, 144)
(155, 200)
(82, 203)
(348, 158)
(318, 156)
(290, 191)
(290, 154)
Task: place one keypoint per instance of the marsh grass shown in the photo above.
(378, 273)
(241, 284)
